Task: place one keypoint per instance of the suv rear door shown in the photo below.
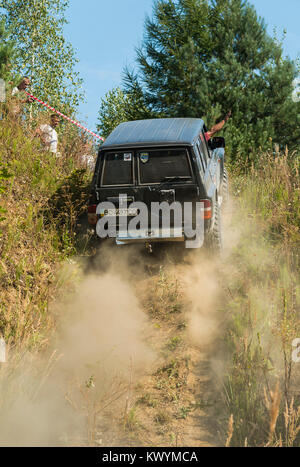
(145, 173)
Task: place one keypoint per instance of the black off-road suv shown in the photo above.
(155, 161)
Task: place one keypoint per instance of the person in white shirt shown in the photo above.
(48, 134)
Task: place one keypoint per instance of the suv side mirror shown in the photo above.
(217, 142)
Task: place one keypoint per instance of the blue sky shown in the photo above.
(105, 33)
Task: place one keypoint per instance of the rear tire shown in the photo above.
(214, 242)
(225, 187)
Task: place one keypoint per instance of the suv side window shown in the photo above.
(199, 159)
(201, 149)
(204, 145)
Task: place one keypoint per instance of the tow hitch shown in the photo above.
(149, 247)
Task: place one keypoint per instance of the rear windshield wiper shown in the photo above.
(166, 180)
(178, 177)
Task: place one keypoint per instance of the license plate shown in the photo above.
(121, 212)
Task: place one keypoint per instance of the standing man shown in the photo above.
(19, 97)
(48, 134)
(22, 86)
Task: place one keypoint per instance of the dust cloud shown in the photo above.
(102, 343)
(202, 294)
(100, 349)
(202, 278)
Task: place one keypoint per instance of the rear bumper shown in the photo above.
(153, 236)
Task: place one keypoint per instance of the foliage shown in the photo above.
(7, 52)
(68, 203)
(201, 58)
(43, 200)
(118, 106)
(263, 303)
(43, 53)
(113, 111)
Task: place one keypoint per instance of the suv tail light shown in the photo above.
(92, 216)
(207, 208)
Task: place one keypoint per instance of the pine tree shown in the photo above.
(43, 53)
(201, 58)
(172, 61)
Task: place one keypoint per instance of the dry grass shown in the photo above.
(36, 235)
(229, 431)
(263, 303)
(273, 405)
(44, 198)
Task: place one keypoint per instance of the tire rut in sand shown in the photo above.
(177, 402)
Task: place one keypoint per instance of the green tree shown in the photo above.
(119, 106)
(7, 52)
(200, 58)
(113, 111)
(43, 53)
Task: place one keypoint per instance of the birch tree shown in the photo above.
(43, 54)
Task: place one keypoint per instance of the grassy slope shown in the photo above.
(260, 298)
(36, 235)
(264, 304)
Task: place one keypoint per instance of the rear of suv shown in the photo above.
(160, 163)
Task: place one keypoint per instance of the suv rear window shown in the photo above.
(155, 166)
(117, 169)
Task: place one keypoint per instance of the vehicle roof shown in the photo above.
(154, 132)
